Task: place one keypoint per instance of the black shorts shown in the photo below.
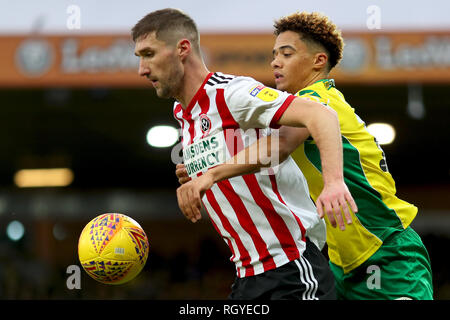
(307, 278)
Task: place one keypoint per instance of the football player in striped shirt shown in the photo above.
(268, 220)
(379, 256)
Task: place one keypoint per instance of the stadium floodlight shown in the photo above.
(162, 136)
(55, 177)
(383, 132)
(15, 230)
(416, 105)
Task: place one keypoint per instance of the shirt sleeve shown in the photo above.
(253, 105)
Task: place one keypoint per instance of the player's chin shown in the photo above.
(280, 86)
(163, 93)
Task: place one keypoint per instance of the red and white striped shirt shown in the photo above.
(263, 218)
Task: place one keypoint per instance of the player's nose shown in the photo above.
(144, 70)
(275, 63)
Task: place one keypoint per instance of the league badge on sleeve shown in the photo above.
(264, 93)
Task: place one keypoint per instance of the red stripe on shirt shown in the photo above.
(176, 110)
(277, 223)
(235, 144)
(204, 103)
(196, 96)
(228, 121)
(187, 115)
(191, 128)
(275, 190)
(248, 225)
(233, 254)
(180, 120)
(244, 255)
(231, 129)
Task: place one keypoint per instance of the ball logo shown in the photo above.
(34, 57)
(205, 124)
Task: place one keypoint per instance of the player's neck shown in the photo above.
(312, 79)
(194, 75)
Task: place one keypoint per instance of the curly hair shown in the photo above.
(314, 28)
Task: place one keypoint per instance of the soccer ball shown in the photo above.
(113, 248)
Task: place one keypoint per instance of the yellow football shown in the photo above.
(113, 248)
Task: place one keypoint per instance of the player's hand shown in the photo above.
(189, 196)
(181, 173)
(334, 200)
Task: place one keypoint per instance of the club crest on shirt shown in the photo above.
(205, 124)
(264, 93)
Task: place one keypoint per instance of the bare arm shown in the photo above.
(261, 154)
(254, 157)
(323, 124)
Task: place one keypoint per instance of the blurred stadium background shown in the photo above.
(71, 98)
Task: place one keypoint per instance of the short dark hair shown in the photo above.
(317, 29)
(169, 25)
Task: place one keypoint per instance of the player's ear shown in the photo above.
(184, 48)
(320, 60)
